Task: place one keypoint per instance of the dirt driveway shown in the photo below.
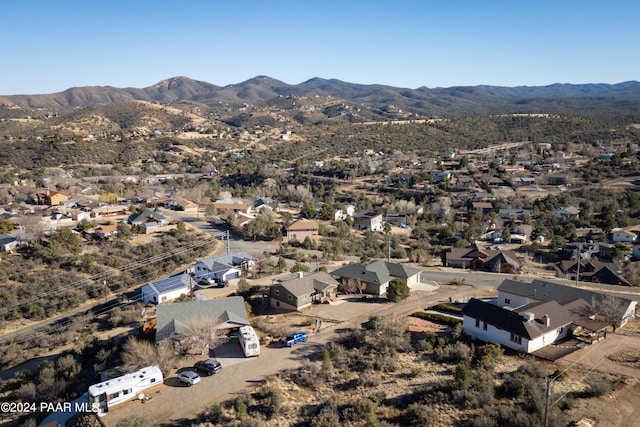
(596, 356)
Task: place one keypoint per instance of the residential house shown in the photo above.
(484, 208)
(512, 293)
(525, 181)
(8, 242)
(301, 229)
(483, 258)
(587, 250)
(222, 267)
(397, 219)
(521, 233)
(226, 313)
(555, 179)
(568, 212)
(260, 203)
(591, 271)
(226, 207)
(106, 231)
(625, 235)
(369, 221)
(526, 329)
(52, 198)
(209, 269)
(465, 182)
(441, 175)
(341, 215)
(149, 220)
(374, 276)
(514, 213)
(167, 289)
(299, 293)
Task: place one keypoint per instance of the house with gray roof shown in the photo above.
(167, 289)
(222, 267)
(148, 220)
(226, 313)
(8, 242)
(374, 276)
(302, 291)
(512, 293)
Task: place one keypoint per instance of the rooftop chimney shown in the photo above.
(546, 320)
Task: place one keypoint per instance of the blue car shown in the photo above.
(295, 338)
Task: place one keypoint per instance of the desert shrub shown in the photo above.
(599, 386)
(462, 375)
(27, 392)
(352, 339)
(240, 408)
(360, 409)
(326, 418)
(270, 399)
(438, 318)
(447, 308)
(308, 375)
(369, 379)
(135, 421)
(419, 415)
(214, 414)
(487, 355)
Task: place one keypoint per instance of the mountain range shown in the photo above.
(621, 98)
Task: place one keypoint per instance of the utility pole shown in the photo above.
(388, 248)
(106, 291)
(578, 258)
(547, 394)
(228, 244)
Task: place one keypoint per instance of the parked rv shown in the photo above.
(115, 391)
(249, 341)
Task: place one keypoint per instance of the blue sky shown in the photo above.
(49, 46)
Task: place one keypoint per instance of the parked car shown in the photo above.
(208, 366)
(189, 377)
(295, 338)
(207, 281)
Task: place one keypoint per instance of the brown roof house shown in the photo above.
(301, 229)
(479, 258)
(302, 291)
(591, 270)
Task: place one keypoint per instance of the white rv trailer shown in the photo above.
(249, 341)
(110, 393)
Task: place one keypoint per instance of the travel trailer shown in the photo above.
(115, 391)
(249, 341)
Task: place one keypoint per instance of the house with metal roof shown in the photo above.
(225, 313)
(374, 276)
(482, 258)
(167, 289)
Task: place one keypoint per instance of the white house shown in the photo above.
(513, 294)
(167, 289)
(527, 329)
(625, 235)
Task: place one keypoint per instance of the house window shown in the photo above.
(276, 292)
(516, 338)
(507, 301)
(289, 297)
(477, 323)
(484, 326)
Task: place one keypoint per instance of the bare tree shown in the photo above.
(200, 332)
(613, 310)
(138, 354)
